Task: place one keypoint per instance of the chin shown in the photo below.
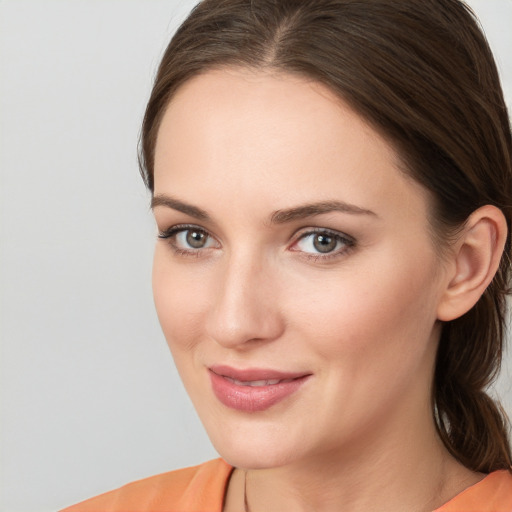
(260, 447)
(248, 458)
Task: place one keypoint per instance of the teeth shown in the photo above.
(257, 383)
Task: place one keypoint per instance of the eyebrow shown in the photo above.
(278, 217)
(180, 206)
(312, 209)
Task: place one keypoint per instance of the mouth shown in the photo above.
(254, 390)
(257, 383)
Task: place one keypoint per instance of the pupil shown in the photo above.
(324, 243)
(196, 239)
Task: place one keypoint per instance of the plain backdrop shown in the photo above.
(90, 398)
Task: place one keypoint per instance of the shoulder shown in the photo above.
(195, 489)
(492, 494)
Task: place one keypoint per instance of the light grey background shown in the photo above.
(90, 399)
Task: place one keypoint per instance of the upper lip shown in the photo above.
(255, 374)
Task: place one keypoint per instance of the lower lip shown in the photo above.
(252, 398)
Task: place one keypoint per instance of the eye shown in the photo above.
(323, 242)
(188, 239)
(192, 238)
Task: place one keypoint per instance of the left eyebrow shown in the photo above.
(312, 209)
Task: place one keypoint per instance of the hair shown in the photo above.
(422, 74)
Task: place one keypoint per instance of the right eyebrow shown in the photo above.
(180, 206)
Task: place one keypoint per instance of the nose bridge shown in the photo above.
(244, 308)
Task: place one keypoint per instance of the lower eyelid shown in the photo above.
(326, 257)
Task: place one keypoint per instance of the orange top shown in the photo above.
(202, 488)
(492, 494)
(196, 489)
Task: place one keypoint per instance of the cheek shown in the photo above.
(389, 308)
(371, 337)
(181, 302)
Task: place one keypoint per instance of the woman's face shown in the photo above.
(295, 277)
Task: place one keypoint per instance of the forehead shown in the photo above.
(275, 135)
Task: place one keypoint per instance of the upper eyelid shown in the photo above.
(300, 231)
(316, 230)
(176, 228)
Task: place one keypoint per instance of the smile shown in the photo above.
(253, 390)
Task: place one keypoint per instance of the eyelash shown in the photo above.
(170, 233)
(348, 242)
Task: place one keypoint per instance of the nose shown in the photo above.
(246, 307)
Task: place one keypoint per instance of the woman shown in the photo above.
(331, 181)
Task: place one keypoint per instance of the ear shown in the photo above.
(476, 258)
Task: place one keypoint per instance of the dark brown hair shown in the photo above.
(421, 72)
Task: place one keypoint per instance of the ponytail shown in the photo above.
(471, 424)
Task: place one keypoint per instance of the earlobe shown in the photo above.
(477, 256)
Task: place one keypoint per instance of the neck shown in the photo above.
(411, 472)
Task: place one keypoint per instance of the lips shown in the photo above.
(253, 390)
